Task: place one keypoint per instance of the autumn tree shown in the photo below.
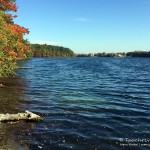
(12, 44)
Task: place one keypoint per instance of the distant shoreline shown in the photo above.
(118, 54)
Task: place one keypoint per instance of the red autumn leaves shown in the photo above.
(12, 43)
(15, 31)
(8, 5)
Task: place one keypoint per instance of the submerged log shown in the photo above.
(27, 116)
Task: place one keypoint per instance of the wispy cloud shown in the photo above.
(44, 42)
(81, 19)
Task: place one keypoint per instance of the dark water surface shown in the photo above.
(87, 104)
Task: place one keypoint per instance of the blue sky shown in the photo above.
(87, 25)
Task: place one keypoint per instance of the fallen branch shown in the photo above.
(27, 116)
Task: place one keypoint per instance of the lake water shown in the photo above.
(87, 104)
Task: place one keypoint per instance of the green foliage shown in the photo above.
(7, 68)
(51, 51)
(138, 54)
(28, 53)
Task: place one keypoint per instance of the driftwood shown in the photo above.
(27, 116)
(1, 85)
(24, 68)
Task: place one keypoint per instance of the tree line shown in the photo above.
(138, 54)
(44, 50)
(118, 54)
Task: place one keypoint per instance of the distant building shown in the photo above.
(91, 55)
(120, 54)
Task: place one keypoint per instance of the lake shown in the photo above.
(88, 103)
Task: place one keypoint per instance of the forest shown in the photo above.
(45, 50)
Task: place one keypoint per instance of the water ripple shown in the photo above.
(88, 103)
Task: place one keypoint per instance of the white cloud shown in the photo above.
(82, 19)
(44, 42)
